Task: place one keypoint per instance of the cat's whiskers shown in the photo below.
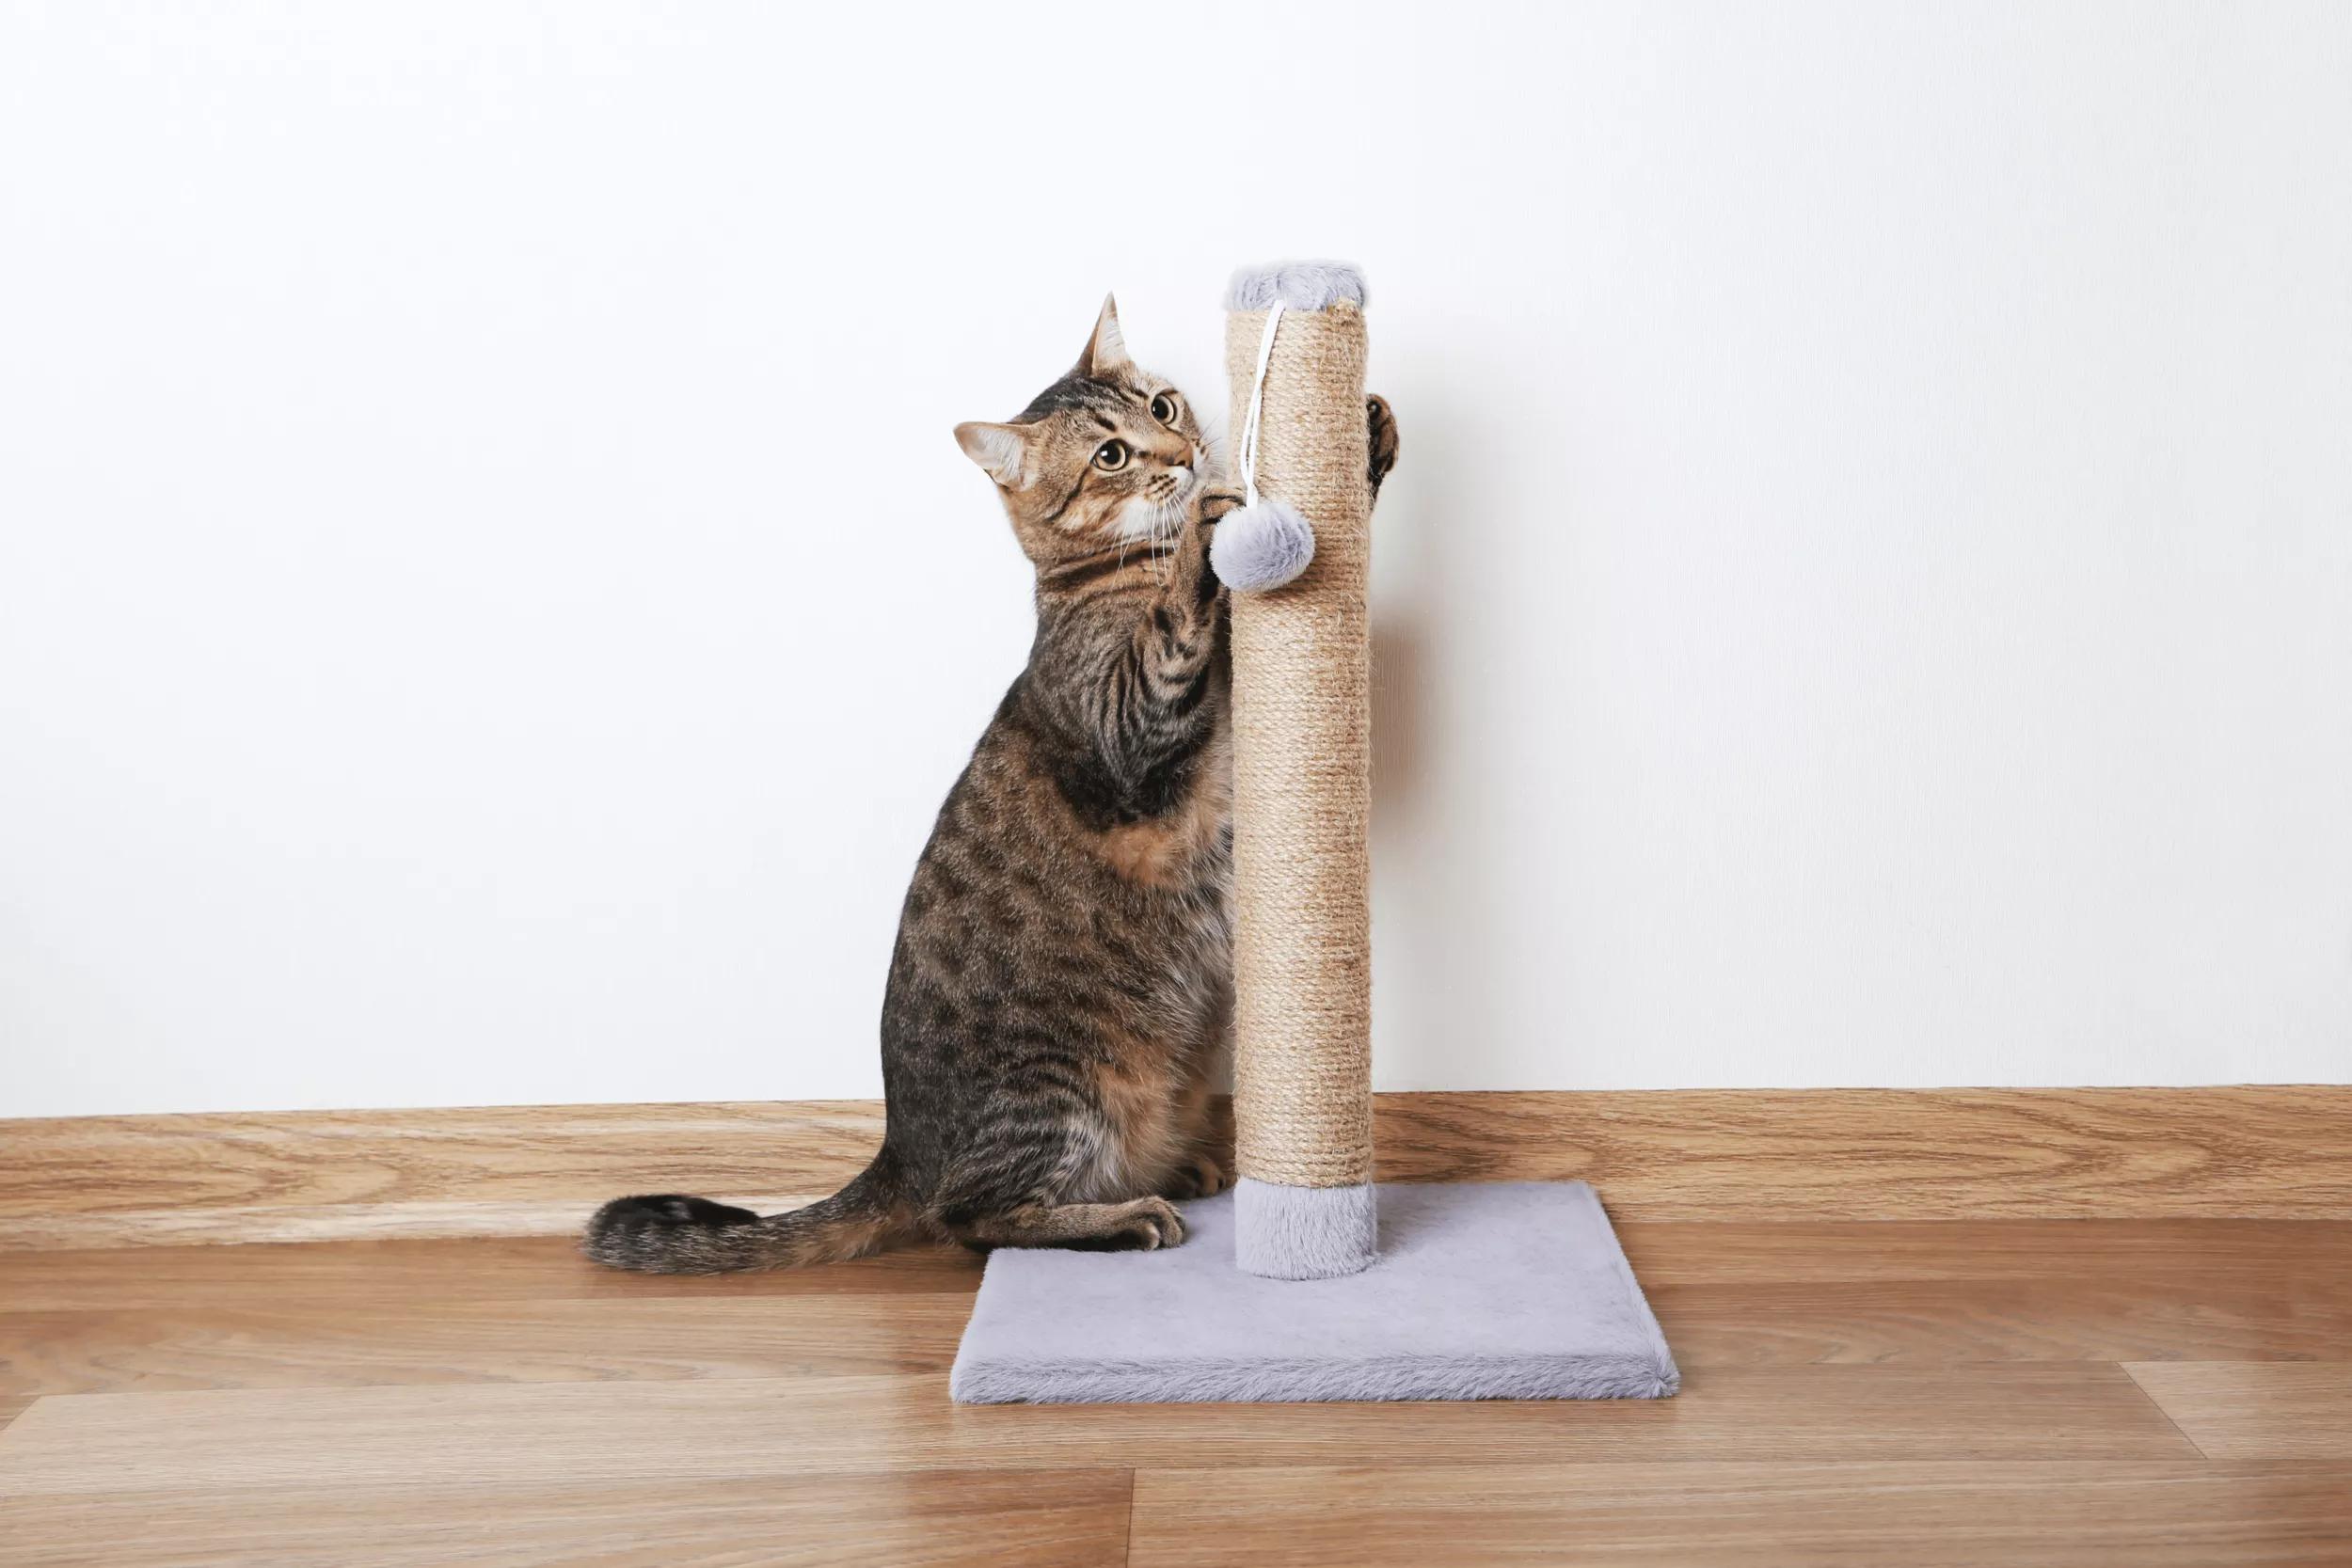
(1167, 521)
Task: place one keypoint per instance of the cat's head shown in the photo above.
(1110, 454)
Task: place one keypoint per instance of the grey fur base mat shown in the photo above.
(1482, 1290)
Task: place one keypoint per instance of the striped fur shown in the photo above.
(1059, 1002)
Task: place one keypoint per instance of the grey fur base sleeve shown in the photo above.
(1285, 1232)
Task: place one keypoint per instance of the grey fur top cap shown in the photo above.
(1299, 286)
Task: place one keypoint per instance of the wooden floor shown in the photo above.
(2140, 1392)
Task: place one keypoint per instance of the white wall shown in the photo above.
(489, 603)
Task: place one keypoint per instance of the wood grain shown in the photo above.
(1706, 1252)
(1731, 1155)
(1783, 1154)
(1055, 1518)
(2043, 1515)
(308, 1175)
(538, 1434)
(1925, 1393)
(531, 1309)
(2257, 1410)
(360, 1276)
(433, 1340)
(2271, 1314)
(427, 1341)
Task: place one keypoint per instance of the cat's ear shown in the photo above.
(1003, 449)
(1107, 350)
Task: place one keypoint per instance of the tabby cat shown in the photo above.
(1061, 998)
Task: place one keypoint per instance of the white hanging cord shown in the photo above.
(1257, 407)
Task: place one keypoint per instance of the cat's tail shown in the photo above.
(671, 1234)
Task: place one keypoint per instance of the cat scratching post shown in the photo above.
(1302, 783)
(1293, 1287)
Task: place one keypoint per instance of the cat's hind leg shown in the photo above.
(1139, 1224)
(1202, 1175)
(1205, 1166)
(1051, 1191)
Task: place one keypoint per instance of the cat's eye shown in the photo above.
(1164, 407)
(1111, 457)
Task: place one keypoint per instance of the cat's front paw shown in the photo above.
(1380, 427)
(1150, 1223)
(1217, 503)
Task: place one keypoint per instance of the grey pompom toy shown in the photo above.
(1262, 546)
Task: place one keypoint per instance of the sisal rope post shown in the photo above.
(1302, 795)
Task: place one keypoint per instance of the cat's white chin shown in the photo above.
(1141, 519)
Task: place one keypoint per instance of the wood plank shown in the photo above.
(1687, 1252)
(1761, 1154)
(2257, 1410)
(936, 1519)
(435, 1341)
(310, 1175)
(1781, 1154)
(1899, 1392)
(210, 1224)
(2018, 1515)
(359, 1276)
(540, 1434)
(2268, 1314)
(362, 1314)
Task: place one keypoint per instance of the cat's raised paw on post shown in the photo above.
(1380, 425)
